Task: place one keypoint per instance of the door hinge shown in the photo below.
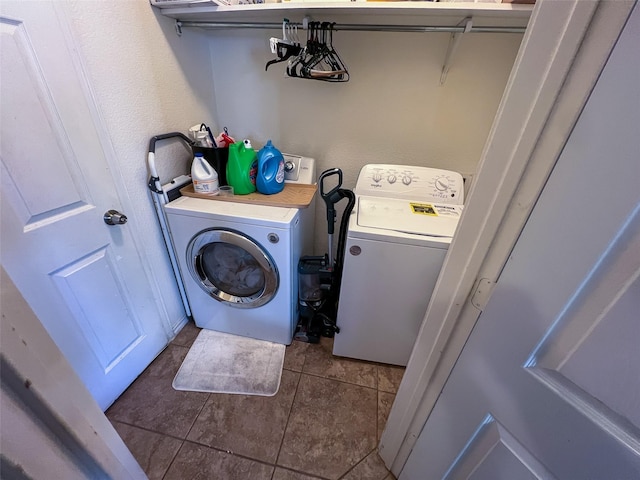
(482, 293)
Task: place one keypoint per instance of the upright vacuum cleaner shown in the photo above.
(319, 276)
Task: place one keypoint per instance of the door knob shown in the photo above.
(114, 217)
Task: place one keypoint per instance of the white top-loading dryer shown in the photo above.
(403, 222)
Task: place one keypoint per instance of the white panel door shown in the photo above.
(83, 278)
(548, 384)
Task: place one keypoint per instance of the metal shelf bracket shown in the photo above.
(454, 41)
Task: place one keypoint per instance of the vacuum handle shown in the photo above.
(154, 180)
(326, 174)
(152, 142)
(331, 197)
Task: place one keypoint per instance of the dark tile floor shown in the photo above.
(324, 422)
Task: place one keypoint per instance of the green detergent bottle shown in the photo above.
(242, 168)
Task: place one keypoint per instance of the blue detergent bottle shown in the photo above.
(270, 177)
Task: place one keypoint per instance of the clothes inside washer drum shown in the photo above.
(232, 269)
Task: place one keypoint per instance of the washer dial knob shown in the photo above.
(406, 180)
(442, 184)
(391, 178)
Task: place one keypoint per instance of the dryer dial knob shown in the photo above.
(273, 237)
(406, 180)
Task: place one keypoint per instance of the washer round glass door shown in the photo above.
(232, 268)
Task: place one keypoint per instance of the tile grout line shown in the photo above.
(173, 459)
(227, 452)
(304, 362)
(361, 460)
(284, 432)
(256, 460)
(188, 431)
(197, 415)
(306, 474)
(233, 454)
(339, 380)
(146, 429)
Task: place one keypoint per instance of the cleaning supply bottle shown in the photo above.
(270, 177)
(242, 167)
(204, 176)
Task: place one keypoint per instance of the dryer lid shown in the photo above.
(407, 216)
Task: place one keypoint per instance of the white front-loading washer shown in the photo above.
(398, 236)
(239, 261)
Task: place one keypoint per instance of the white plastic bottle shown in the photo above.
(204, 176)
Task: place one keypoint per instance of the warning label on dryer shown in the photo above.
(423, 209)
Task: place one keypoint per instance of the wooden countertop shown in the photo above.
(293, 196)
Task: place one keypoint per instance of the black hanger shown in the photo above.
(284, 52)
(318, 60)
(326, 64)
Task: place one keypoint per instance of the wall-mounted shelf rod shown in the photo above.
(352, 27)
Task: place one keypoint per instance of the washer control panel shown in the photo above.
(412, 182)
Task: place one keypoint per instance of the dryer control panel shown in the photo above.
(411, 182)
(299, 169)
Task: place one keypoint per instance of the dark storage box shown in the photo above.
(217, 158)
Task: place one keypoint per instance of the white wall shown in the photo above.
(147, 81)
(392, 110)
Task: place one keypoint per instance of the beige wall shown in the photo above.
(149, 81)
(393, 109)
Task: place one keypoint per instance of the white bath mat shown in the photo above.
(223, 363)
